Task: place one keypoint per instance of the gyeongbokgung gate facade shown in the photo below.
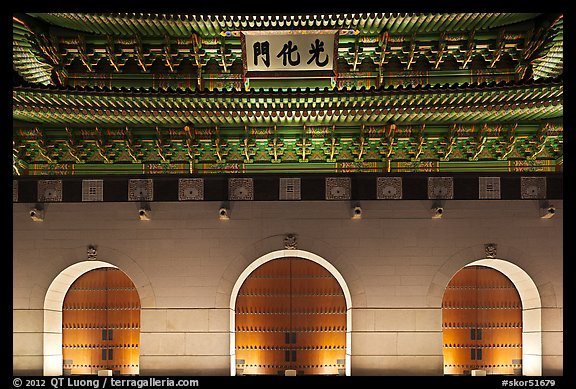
(149, 94)
(125, 107)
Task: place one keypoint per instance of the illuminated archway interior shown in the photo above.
(482, 323)
(290, 314)
(101, 324)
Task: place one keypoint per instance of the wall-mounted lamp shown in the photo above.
(547, 210)
(357, 212)
(224, 212)
(144, 212)
(37, 214)
(437, 210)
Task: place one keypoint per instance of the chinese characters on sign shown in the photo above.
(289, 50)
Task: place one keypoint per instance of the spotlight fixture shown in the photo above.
(357, 212)
(144, 212)
(437, 212)
(37, 214)
(223, 213)
(547, 212)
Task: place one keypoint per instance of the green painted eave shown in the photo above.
(373, 37)
(512, 101)
(25, 57)
(551, 62)
(183, 25)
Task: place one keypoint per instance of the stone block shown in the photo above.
(396, 365)
(363, 319)
(394, 320)
(552, 343)
(162, 343)
(27, 320)
(27, 365)
(185, 365)
(552, 319)
(552, 365)
(420, 343)
(374, 343)
(153, 320)
(187, 320)
(27, 343)
(207, 343)
(219, 320)
(428, 319)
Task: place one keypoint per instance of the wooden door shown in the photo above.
(290, 315)
(101, 324)
(481, 323)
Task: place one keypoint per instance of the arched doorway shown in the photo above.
(101, 324)
(54, 301)
(482, 323)
(290, 311)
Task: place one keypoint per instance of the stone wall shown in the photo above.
(395, 260)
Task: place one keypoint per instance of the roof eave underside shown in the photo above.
(551, 63)
(25, 58)
(183, 25)
(28, 62)
(513, 101)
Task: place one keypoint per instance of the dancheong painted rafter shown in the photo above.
(142, 93)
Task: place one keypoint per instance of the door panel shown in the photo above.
(481, 323)
(290, 314)
(101, 324)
